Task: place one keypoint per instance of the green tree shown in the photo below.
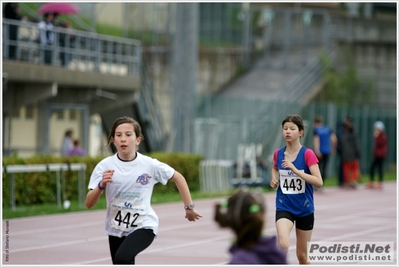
(343, 86)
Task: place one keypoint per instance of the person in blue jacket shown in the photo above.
(244, 213)
(324, 143)
(295, 172)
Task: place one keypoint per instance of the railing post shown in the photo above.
(12, 192)
(81, 189)
(6, 39)
(57, 176)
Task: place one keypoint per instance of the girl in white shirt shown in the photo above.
(129, 178)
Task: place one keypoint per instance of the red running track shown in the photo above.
(360, 215)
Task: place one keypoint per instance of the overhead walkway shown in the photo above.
(80, 70)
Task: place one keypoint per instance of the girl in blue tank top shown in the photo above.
(295, 172)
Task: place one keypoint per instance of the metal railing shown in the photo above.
(72, 49)
(59, 169)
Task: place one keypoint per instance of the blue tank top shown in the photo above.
(294, 194)
(324, 133)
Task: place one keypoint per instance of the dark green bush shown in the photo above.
(186, 164)
(40, 187)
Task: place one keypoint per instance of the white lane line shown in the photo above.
(374, 230)
(53, 229)
(199, 223)
(150, 250)
(95, 239)
(176, 227)
(99, 223)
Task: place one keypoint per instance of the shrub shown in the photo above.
(40, 187)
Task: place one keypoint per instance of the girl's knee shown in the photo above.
(302, 257)
(284, 244)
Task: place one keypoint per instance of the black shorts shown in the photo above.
(302, 223)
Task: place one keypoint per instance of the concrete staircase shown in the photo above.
(251, 108)
(270, 76)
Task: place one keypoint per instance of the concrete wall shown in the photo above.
(24, 131)
(216, 68)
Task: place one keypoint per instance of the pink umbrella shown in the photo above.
(60, 8)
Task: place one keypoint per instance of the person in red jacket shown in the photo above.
(379, 154)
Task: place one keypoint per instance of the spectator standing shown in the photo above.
(340, 132)
(11, 11)
(67, 143)
(379, 154)
(244, 213)
(46, 37)
(76, 150)
(324, 144)
(350, 156)
(65, 40)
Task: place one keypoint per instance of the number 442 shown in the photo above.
(126, 220)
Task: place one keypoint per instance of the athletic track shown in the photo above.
(78, 238)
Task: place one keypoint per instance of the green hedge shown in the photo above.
(40, 187)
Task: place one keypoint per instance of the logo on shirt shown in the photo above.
(143, 179)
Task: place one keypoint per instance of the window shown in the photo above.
(59, 114)
(16, 112)
(73, 114)
(29, 112)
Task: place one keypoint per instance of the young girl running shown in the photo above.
(295, 172)
(128, 178)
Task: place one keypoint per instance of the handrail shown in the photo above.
(58, 168)
(73, 49)
(298, 88)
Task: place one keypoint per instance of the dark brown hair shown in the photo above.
(295, 119)
(244, 213)
(318, 119)
(122, 120)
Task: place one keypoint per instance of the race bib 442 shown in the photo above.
(127, 215)
(290, 183)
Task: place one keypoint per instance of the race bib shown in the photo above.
(127, 215)
(290, 183)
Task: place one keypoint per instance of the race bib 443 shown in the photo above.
(290, 183)
(127, 215)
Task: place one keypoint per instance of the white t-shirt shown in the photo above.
(46, 34)
(129, 195)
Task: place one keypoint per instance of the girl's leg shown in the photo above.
(302, 239)
(284, 227)
(133, 245)
(304, 229)
(114, 244)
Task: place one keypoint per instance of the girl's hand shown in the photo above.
(192, 215)
(273, 183)
(288, 164)
(107, 178)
